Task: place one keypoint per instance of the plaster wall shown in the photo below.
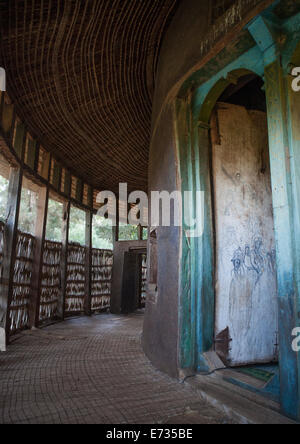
(160, 337)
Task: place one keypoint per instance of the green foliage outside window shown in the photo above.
(145, 233)
(28, 211)
(102, 233)
(54, 221)
(77, 226)
(3, 197)
(128, 232)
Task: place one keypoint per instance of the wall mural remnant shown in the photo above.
(251, 265)
(253, 274)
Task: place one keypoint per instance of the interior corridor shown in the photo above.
(91, 370)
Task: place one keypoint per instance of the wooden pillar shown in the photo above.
(64, 259)
(284, 207)
(88, 264)
(197, 299)
(40, 234)
(140, 232)
(204, 245)
(116, 227)
(10, 243)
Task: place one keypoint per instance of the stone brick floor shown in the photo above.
(92, 370)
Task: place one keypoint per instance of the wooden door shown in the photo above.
(246, 285)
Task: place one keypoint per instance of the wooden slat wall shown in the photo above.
(102, 263)
(75, 290)
(19, 308)
(51, 281)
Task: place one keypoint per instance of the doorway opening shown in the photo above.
(246, 309)
(134, 281)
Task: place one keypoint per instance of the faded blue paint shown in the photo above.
(275, 40)
(294, 145)
(283, 221)
(290, 28)
(251, 61)
(284, 179)
(265, 37)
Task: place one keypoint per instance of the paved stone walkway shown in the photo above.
(92, 370)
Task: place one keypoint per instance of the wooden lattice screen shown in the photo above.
(51, 285)
(51, 281)
(19, 308)
(75, 291)
(102, 263)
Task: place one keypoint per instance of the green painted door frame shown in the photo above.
(270, 56)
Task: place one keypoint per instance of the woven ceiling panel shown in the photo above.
(82, 75)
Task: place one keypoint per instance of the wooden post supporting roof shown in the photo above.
(64, 259)
(10, 243)
(40, 233)
(88, 263)
(140, 232)
(11, 233)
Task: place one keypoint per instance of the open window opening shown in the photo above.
(102, 233)
(4, 183)
(77, 226)
(28, 206)
(54, 220)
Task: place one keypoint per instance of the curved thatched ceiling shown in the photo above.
(82, 75)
